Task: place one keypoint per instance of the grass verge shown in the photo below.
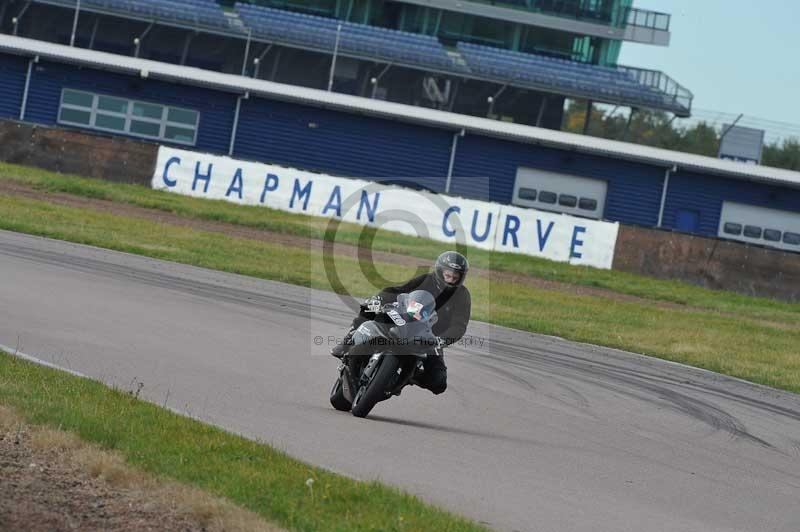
(315, 227)
(65, 457)
(251, 475)
(743, 344)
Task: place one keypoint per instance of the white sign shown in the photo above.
(480, 224)
(742, 144)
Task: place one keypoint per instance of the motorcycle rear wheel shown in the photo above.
(338, 400)
(375, 391)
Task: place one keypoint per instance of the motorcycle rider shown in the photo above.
(453, 308)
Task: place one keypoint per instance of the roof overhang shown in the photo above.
(630, 33)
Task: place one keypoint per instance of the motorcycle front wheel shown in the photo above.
(375, 391)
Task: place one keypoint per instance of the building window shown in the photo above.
(527, 194)
(751, 231)
(75, 116)
(129, 117)
(773, 235)
(587, 204)
(547, 197)
(791, 238)
(731, 228)
(567, 200)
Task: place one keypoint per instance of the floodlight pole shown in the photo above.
(15, 20)
(247, 50)
(94, 32)
(75, 23)
(727, 130)
(275, 65)
(335, 53)
(376, 79)
(454, 95)
(493, 98)
(257, 60)
(542, 107)
(628, 124)
(138, 40)
(588, 118)
(186, 44)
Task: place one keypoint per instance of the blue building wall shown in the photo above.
(634, 190)
(216, 108)
(12, 84)
(353, 145)
(704, 194)
(342, 143)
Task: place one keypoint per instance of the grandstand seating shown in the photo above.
(194, 13)
(505, 66)
(561, 75)
(355, 39)
(410, 49)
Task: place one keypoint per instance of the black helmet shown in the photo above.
(450, 262)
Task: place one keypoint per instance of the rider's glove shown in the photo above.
(373, 304)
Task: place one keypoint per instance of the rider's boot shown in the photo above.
(340, 350)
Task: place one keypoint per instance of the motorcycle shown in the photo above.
(387, 353)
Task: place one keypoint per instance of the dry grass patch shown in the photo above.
(209, 512)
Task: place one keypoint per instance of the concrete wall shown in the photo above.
(708, 262)
(72, 152)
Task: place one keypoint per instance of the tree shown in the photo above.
(655, 128)
(785, 155)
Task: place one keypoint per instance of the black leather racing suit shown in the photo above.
(453, 308)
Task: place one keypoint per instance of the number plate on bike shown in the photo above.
(396, 317)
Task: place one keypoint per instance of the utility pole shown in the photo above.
(75, 23)
(335, 53)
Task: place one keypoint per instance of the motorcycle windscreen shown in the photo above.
(404, 305)
(367, 331)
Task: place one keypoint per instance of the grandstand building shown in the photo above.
(156, 71)
(350, 136)
(513, 60)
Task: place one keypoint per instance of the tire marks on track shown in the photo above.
(642, 386)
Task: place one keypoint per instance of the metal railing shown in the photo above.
(193, 21)
(647, 19)
(662, 83)
(577, 10)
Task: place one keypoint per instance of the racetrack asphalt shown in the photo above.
(534, 433)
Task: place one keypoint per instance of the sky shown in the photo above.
(736, 56)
